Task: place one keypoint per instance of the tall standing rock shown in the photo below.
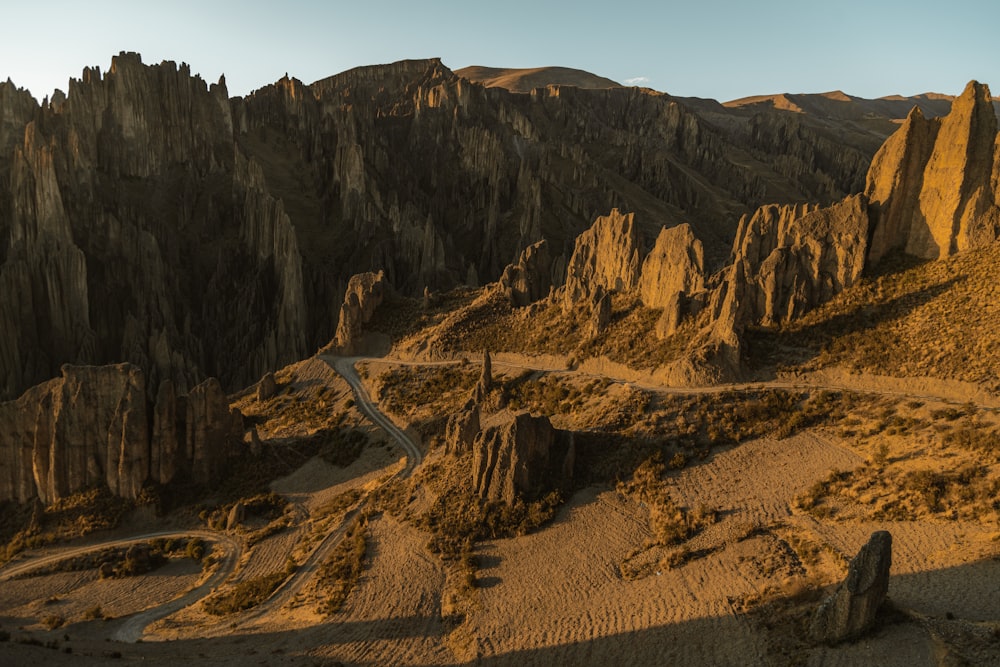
(365, 292)
(933, 183)
(605, 257)
(852, 609)
(485, 384)
(519, 456)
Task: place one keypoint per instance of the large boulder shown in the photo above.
(519, 456)
(851, 610)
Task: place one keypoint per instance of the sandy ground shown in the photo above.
(558, 596)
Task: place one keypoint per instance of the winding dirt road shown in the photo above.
(345, 367)
(134, 627)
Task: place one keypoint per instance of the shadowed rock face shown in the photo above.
(365, 292)
(851, 610)
(511, 458)
(532, 277)
(146, 217)
(95, 426)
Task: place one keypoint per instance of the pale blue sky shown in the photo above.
(705, 48)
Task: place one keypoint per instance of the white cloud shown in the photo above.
(637, 81)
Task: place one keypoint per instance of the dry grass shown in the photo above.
(412, 389)
(246, 594)
(931, 319)
(68, 518)
(669, 523)
(341, 570)
(491, 323)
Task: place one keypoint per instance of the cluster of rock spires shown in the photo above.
(933, 189)
(95, 426)
(514, 455)
(146, 217)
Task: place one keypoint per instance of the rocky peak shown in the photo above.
(606, 257)
(676, 265)
(932, 183)
(17, 107)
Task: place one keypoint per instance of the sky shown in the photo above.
(699, 48)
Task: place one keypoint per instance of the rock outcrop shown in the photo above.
(796, 258)
(461, 430)
(147, 217)
(518, 456)
(531, 278)
(365, 292)
(95, 426)
(672, 274)
(675, 265)
(851, 610)
(606, 257)
(933, 184)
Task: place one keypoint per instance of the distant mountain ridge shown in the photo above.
(527, 79)
(840, 105)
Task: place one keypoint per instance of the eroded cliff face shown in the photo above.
(95, 426)
(931, 191)
(933, 184)
(145, 217)
(134, 230)
(797, 257)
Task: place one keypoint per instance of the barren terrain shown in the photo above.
(593, 586)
